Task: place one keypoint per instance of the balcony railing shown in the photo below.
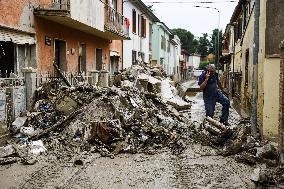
(115, 22)
(108, 20)
(55, 7)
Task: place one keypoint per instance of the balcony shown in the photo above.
(59, 8)
(90, 16)
(116, 23)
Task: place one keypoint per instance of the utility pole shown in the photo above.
(215, 50)
(254, 124)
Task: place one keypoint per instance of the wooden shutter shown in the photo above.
(144, 27)
(139, 25)
(133, 21)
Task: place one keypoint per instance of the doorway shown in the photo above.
(60, 54)
(114, 64)
(99, 59)
(7, 57)
(82, 58)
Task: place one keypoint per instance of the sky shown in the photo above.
(196, 20)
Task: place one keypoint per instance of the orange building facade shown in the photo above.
(78, 36)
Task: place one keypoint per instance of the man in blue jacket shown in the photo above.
(209, 83)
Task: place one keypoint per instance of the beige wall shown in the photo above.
(268, 86)
(247, 45)
(268, 78)
(271, 97)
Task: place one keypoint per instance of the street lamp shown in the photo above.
(218, 37)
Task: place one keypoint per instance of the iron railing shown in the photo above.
(72, 77)
(9, 79)
(115, 22)
(56, 5)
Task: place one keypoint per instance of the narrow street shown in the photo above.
(197, 167)
(141, 94)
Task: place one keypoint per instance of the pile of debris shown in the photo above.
(238, 141)
(140, 113)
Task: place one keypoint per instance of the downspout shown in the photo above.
(255, 69)
(233, 67)
(122, 41)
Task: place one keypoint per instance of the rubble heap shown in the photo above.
(140, 113)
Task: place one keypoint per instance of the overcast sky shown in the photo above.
(196, 20)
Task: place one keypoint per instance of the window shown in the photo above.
(240, 28)
(162, 61)
(168, 46)
(134, 57)
(246, 68)
(133, 21)
(143, 24)
(139, 24)
(150, 37)
(163, 42)
(142, 56)
(114, 2)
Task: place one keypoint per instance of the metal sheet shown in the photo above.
(16, 37)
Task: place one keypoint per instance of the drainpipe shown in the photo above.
(255, 69)
(122, 41)
(233, 67)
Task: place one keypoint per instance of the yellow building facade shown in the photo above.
(240, 37)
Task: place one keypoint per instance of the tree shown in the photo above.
(203, 64)
(189, 43)
(204, 45)
(214, 42)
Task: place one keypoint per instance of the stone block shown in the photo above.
(66, 105)
(6, 151)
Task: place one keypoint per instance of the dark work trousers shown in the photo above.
(211, 103)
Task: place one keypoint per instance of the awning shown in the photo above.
(16, 37)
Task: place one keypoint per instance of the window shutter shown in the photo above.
(139, 24)
(144, 27)
(134, 21)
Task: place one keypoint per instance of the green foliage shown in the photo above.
(214, 41)
(203, 64)
(204, 44)
(189, 43)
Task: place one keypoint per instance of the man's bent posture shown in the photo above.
(208, 82)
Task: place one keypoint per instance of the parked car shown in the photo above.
(197, 73)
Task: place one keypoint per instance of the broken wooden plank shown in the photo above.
(213, 131)
(193, 89)
(217, 124)
(61, 75)
(9, 160)
(69, 117)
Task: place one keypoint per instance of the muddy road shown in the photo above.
(198, 167)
